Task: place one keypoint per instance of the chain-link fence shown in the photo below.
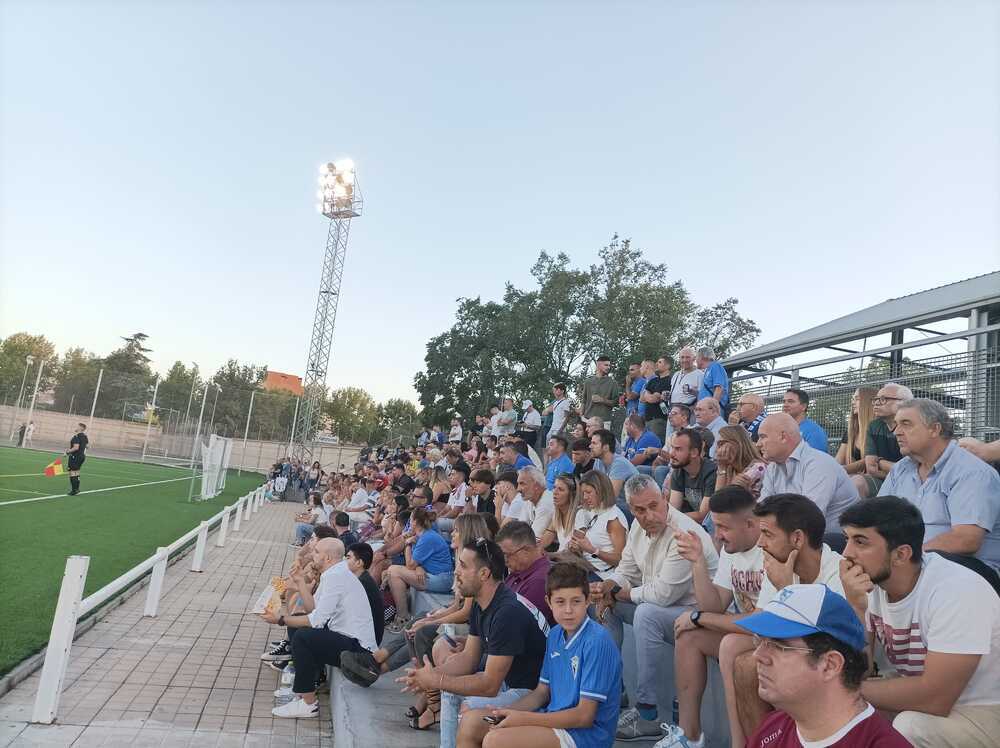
(967, 383)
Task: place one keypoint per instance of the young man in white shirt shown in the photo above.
(335, 623)
(931, 620)
(559, 409)
(738, 580)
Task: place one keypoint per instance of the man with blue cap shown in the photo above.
(810, 655)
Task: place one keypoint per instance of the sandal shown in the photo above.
(433, 707)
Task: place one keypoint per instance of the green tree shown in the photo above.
(128, 379)
(353, 414)
(230, 410)
(13, 351)
(76, 381)
(397, 418)
(175, 392)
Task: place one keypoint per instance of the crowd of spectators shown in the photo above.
(848, 600)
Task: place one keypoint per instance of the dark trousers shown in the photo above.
(312, 649)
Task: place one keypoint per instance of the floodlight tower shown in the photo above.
(339, 200)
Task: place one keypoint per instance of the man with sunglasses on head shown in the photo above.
(809, 647)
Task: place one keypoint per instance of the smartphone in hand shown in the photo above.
(489, 718)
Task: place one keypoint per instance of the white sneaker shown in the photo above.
(673, 737)
(296, 709)
(284, 692)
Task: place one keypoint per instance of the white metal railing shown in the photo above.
(72, 605)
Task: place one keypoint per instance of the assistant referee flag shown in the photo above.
(54, 468)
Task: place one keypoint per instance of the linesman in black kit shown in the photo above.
(76, 454)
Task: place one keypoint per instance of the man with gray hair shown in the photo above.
(715, 383)
(957, 493)
(881, 447)
(538, 507)
(651, 587)
(686, 382)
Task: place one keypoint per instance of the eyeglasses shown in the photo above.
(514, 552)
(770, 644)
(883, 400)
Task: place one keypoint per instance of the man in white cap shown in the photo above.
(531, 424)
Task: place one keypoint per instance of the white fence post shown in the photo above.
(238, 515)
(256, 500)
(60, 640)
(246, 507)
(199, 547)
(220, 540)
(156, 582)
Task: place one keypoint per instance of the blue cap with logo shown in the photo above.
(803, 609)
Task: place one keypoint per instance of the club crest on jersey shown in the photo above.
(574, 665)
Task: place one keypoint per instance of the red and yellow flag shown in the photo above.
(54, 468)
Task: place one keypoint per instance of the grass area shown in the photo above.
(117, 529)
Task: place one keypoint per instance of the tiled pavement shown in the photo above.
(192, 676)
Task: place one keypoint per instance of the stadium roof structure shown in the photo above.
(959, 299)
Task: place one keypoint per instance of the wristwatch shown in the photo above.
(696, 618)
(281, 620)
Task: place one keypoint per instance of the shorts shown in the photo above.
(439, 582)
(75, 462)
(565, 739)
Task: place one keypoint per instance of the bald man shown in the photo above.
(795, 467)
(335, 623)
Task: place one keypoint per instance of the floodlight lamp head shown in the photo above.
(29, 359)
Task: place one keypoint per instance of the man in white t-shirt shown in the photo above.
(686, 381)
(560, 407)
(791, 539)
(737, 581)
(537, 508)
(456, 499)
(929, 620)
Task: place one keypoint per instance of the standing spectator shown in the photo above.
(600, 393)
(634, 403)
(423, 437)
(928, 619)
(559, 408)
(656, 397)
(494, 421)
(881, 447)
(795, 467)
(796, 404)
(29, 434)
(686, 382)
(642, 446)
(601, 525)
(527, 563)
(692, 476)
(455, 433)
(851, 453)
(708, 416)
(583, 458)
(627, 398)
(957, 494)
(531, 424)
(537, 509)
(749, 414)
(739, 463)
(559, 462)
(616, 467)
(507, 421)
(715, 383)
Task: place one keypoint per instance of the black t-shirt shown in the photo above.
(378, 605)
(508, 629)
(486, 504)
(81, 440)
(656, 385)
(696, 488)
(404, 484)
(579, 470)
(855, 452)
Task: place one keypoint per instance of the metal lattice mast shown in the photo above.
(339, 200)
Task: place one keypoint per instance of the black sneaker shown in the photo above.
(360, 668)
(281, 653)
(73, 492)
(278, 667)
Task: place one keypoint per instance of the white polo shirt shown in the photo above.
(342, 606)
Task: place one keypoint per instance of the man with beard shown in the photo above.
(692, 477)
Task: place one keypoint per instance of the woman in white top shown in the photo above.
(601, 527)
(564, 520)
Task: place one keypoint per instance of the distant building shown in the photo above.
(276, 381)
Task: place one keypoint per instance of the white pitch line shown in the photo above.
(20, 490)
(95, 490)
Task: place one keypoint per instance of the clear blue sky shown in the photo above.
(158, 162)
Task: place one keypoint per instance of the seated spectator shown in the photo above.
(851, 452)
(928, 619)
(601, 527)
(791, 536)
(651, 587)
(692, 476)
(528, 565)
(592, 424)
(656, 397)
(459, 500)
(304, 523)
(736, 582)
(679, 417)
(810, 656)
(583, 458)
(796, 467)
(455, 432)
(335, 624)
(401, 482)
(739, 463)
(453, 456)
(342, 524)
(511, 459)
(576, 700)
(708, 416)
(749, 414)
(559, 462)
(564, 502)
(957, 494)
(881, 447)
(359, 561)
(481, 492)
(537, 508)
(642, 445)
(616, 467)
(796, 404)
(579, 431)
(503, 653)
(428, 566)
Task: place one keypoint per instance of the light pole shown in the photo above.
(34, 391)
(339, 200)
(211, 421)
(28, 361)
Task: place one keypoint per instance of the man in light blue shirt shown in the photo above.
(634, 403)
(795, 467)
(715, 383)
(796, 404)
(559, 461)
(616, 467)
(957, 493)
(642, 445)
(708, 416)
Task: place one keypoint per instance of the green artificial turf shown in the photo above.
(117, 529)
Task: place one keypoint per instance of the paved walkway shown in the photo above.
(192, 676)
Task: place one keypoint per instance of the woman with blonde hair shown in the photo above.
(564, 519)
(739, 462)
(851, 453)
(601, 527)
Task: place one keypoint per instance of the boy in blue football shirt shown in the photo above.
(575, 704)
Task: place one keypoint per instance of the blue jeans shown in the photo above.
(451, 705)
(303, 531)
(658, 473)
(439, 582)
